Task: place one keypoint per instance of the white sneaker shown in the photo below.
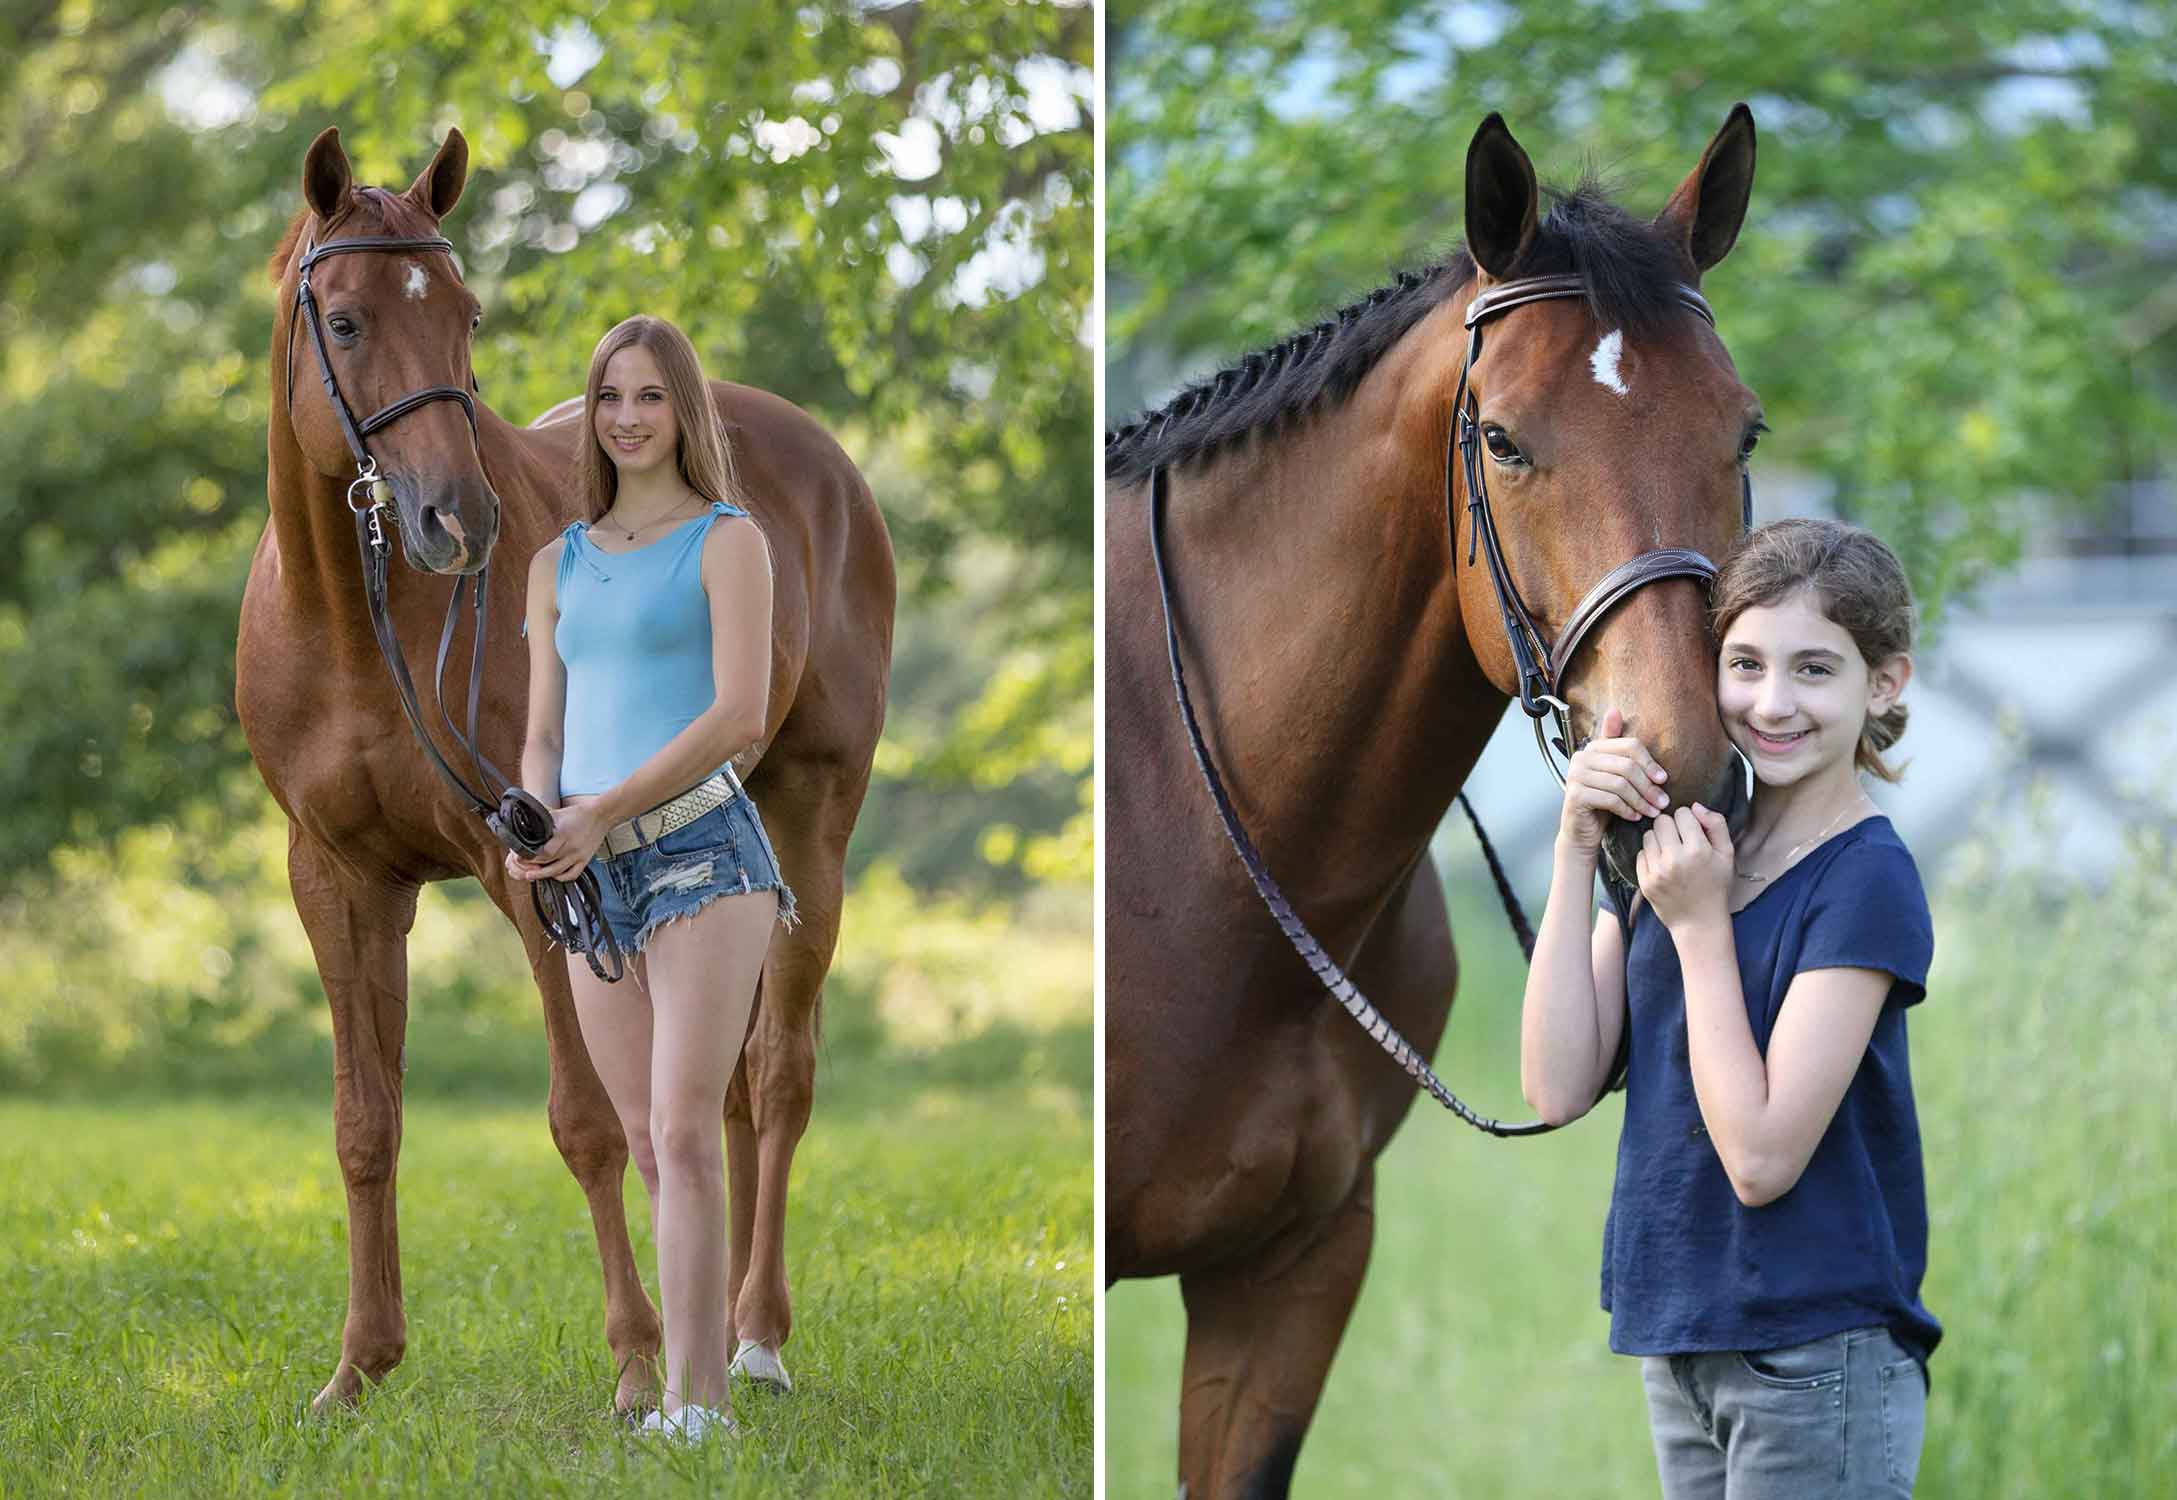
(692, 1424)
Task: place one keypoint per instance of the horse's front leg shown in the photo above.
(358, 930)
(1261, 1331)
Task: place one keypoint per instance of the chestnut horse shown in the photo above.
(1348, 662)
(369, 821)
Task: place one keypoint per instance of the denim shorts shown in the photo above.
(1842, 1415)
(723, 853)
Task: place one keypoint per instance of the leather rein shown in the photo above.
(1540, 663)
(569, 910)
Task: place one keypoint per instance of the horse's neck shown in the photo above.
(1321, 619)
(321, 571)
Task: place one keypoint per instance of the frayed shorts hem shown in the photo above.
(725, 852)
(789, 917)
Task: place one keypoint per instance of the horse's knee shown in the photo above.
(589, 1140)
(784, 1079)
(368, 1144)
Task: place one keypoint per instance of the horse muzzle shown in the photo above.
(1729, 791)
(447, 533)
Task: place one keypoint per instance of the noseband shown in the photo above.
(1541, 666)
(569, 911)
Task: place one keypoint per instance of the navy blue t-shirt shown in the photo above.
(1688, 1268)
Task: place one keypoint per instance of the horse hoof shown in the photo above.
(344, 1392)
(760, 1364)
(635, 1395)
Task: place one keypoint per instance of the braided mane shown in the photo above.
(1630, 269)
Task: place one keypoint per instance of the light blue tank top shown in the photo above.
(635, 634)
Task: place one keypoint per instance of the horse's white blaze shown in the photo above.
(1604, 362)
(415, 283)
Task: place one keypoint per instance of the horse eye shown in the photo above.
(1753, 439)
(476, 321)
(1501, 447)
(341, 327)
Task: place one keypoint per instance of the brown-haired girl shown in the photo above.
(650, 659)
(1768, 1228)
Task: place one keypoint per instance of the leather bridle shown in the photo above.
(570, 912)
(353, 431)
(1541, 666)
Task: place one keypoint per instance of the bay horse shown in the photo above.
(369, 821)
(1349, 661)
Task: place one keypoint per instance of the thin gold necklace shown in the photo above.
(1795, 850)
(630, 535)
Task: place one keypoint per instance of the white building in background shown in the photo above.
(2044, 711)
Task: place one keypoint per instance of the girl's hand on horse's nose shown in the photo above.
(1685, 866)
(1612, 775)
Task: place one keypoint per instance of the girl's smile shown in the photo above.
(1795, 692)
(635, 423)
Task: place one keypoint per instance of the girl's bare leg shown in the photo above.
(616, 1026)
(702, 972)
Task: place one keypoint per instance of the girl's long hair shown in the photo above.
(705, 458)
(1858, 584)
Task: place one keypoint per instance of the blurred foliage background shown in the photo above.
(881, 212)
(1956, 290)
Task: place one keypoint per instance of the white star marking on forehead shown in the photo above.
(415, 283)
(1604, 362)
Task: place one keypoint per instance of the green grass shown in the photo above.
(1477, 1362)
(175, 1276)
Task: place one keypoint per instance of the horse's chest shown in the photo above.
(344, 776)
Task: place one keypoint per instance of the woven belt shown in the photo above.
(649, 827)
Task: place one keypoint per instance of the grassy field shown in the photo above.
(173, 1253)
(1477, 1363)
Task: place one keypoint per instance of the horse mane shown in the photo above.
(400, 214)
(1628, 266)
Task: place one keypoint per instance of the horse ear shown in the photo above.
(1501, 199)
(1705, 213)
(326, 176)
(439, 187)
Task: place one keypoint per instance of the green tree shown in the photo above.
(881, 212)
(1955, 290)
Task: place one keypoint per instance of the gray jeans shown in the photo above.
(1841, 1416)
